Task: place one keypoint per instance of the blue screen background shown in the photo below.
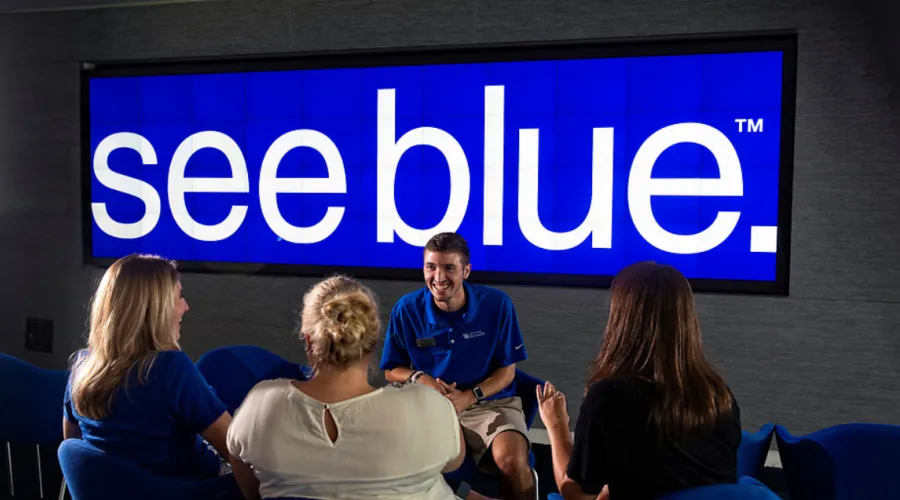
(565, 99)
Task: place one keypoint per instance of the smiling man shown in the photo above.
(463, 340)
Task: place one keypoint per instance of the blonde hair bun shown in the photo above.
(340, 318)
(347, 318)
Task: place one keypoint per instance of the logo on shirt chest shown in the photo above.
(474, 335)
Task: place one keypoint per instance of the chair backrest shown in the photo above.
(31, 399)
(232, 371)
(846, 461)
(754, 450)
(525, 389)
(746, 489)
(92, 474)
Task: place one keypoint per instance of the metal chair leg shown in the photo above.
(12, 489)
(40, 472)
(62, 490)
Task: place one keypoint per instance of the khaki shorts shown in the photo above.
(485, 421)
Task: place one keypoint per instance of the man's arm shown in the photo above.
(395, 359)
(399, 374)
(498, 380)
(509, 350)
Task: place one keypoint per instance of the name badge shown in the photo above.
(428, 342)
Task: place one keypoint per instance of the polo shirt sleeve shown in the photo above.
(588, 465)
(510, 346)
(193, 402)
(395, 351)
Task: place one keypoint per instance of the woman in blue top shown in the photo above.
(132, 392)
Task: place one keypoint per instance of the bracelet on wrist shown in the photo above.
(415, 376)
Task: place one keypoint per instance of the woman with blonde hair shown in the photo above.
(132, 392)
(656, 417)
(336, 436)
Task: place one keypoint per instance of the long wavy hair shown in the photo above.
(653, 333)
(132, 318)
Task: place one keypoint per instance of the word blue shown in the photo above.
(554, 167)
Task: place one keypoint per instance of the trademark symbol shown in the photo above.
(753, 126)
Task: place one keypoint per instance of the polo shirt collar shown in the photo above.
(469, 309)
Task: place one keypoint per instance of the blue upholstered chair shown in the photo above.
(232, 371)
(487, 484)
(30, 416)
(93, 474)
(746, 488)
(849, 461)
(753, 451)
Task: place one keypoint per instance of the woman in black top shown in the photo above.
(656, 416)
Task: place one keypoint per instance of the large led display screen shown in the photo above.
(559, 164)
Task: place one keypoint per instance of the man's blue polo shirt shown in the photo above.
(463, 347)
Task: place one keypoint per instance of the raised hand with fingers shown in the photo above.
(552, 407)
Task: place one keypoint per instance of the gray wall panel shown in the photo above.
(326, 25)
(146, 32)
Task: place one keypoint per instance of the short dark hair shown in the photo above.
(449, 243)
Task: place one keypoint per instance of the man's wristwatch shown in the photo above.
(479, 394)
(415, 376)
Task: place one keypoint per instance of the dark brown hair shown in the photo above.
(653, 334)
(449, 243)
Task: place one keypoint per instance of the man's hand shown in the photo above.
(460, 399)
(426, 379)
(445, 387)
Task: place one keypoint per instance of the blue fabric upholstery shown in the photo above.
(746, 489)
(753, 451)
(487, 484)
(232, 371)
(92, 474)
(525, 389)
(850, 461)
(30, 414)
(31, 399)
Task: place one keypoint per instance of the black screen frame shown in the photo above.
(782, 41)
